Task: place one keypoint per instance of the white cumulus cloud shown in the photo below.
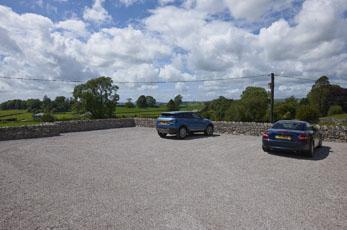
(97, 13)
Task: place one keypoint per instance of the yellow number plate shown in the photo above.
(163, 122)
(283, 137)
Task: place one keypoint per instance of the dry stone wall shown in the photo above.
(87, 125)
(33, 131)
(332, 120)
(54, 129)
(330, 133)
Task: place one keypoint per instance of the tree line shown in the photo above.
(59, 104)
(98, 97)
(254, 105)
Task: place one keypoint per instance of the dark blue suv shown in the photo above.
(182, 123)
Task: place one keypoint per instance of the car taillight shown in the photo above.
(265, 135)
(303, 137)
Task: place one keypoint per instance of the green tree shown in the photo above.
(97, 96)
(219, 106)
(47, 104)
(150, 101)
(285, 111)
(61, 104)
(236, 112)
(334, 110)
(141, 102)
(304, 101)
(48, 117)
(33, 105)
(308, 113)
(256, 101)
(178, 100)
(291, 101)
(129, 103)
(337, 96)
(171, 106)
(318, 95)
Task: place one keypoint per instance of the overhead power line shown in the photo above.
(38, 79)
(296, 78)
(188, 81)
(137, 82)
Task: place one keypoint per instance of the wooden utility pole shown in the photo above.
(272, 86)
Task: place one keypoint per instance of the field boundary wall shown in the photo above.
(330, 133)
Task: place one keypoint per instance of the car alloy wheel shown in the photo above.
(320, 143)
(182, 133)
(209, 130)
(310, 153)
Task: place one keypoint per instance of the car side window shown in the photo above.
(188, 115)
(180, 115)
(196, 116)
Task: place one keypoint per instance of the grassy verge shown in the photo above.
(122, 112)
(339, 116)
(15, 114)
(19, 123)
(22, 117)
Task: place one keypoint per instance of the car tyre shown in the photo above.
(310, 152)
(162, 135)
(209, 130)
(182, 133)
(320, 142)
(265, 149)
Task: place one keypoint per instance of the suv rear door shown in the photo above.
(198, 122)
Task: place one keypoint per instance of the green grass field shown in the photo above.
(19, 123)
(17, 114)
(22, 117)
(149, 112)
(339, 116)
(66, 116)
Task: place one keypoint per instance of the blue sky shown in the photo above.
(171, 40)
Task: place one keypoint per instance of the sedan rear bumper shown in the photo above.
(286, 145)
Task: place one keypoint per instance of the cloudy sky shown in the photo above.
(168, 41)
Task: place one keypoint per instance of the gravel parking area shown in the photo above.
(130, 178)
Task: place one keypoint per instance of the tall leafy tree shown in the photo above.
(337, 96)
(256, 101)
(141, 102)
(219, 106)
(47, 105)
(150, 101)
(97, 96)
(308, 113)
(171, 106)
(178, 100)
(33, 105)
(318, 95)
(129, 103)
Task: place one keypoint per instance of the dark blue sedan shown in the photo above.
(291, 135)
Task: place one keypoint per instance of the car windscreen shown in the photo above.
(289, 125)
(168, 115)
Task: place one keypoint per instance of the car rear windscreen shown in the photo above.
(168, 115)
(289, 125)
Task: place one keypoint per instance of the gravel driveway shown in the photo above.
(130, 178)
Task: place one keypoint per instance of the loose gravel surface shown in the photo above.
(130, 178)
